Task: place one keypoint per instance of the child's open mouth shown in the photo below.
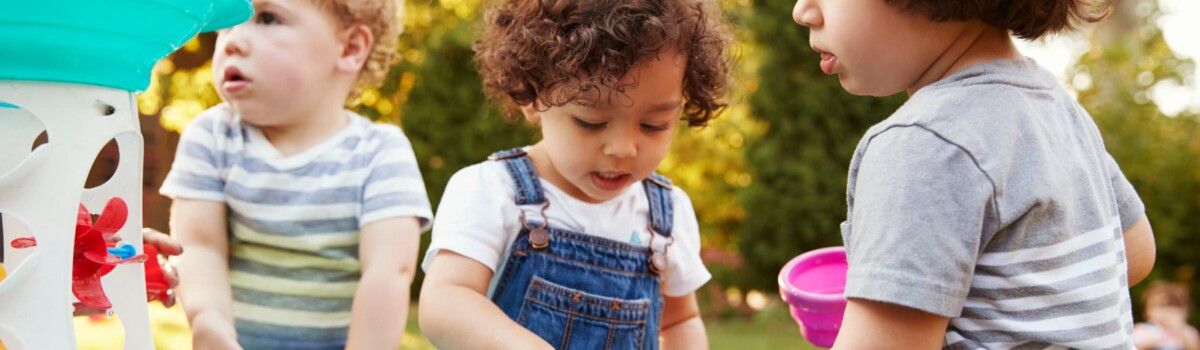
(610, 181)
(234, 81)
(828, 62)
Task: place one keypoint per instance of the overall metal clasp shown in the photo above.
(539, 238)
(658, 260)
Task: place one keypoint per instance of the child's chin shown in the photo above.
(249, 115)
(865, 89)
(598, 195)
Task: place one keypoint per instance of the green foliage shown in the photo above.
(1159, 154)
(798, 196)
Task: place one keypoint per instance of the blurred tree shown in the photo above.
(799, 165)
(1160, 154)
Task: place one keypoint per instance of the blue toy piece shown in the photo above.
(112, 43)
(124, 251)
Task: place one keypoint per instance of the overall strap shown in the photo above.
(527, 188)
(662, 213)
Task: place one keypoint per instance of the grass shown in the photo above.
(771, 328)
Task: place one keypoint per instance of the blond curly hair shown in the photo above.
(383, 18)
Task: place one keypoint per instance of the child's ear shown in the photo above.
(356, 49)
(532, 114)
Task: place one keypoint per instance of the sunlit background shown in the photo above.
(768, 178)
(1179, 23)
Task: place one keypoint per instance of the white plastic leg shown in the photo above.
(43, 190)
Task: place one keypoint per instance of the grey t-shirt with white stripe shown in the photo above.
(989, 198)
(294, 221)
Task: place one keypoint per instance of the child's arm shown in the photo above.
(1139, 250)
(388, 254)
(682, 327)
(200, 226)
(1138, 237)
(456, 314)
(876, 325)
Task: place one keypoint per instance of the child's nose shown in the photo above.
(234, 41)
(621, 145)
(806, 13)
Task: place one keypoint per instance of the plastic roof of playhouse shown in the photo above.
(111, 43)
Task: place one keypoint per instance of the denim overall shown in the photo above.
(579, 291)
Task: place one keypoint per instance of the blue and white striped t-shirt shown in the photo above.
(294, 221)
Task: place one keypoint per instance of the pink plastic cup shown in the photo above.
(812, 285)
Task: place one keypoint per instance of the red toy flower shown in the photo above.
(92, 259)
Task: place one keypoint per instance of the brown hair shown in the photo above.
(1027, 19)
(382, 18)
(556, 52)
(1173, 294)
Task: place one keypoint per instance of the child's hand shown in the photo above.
(165, 244)
(169, 247)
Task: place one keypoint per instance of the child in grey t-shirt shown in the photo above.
(985, 212)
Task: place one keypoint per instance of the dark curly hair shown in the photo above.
(1027, 19)
(556, 52)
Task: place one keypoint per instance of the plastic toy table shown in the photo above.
(71, 69)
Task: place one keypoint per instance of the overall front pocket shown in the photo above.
(573, 319)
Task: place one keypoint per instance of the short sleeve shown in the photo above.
(196, 172)
(687, 273)
(918, 216)
(1129, 204)
(394, 186)
(471, 218)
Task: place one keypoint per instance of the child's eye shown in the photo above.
(589, 125)
(266, 18)
(656, 127)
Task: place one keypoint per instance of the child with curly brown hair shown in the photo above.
(575, 242)
(301, 219)
(985, 212)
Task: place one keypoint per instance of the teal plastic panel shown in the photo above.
(112, 43)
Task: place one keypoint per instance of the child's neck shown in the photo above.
(977, 43)
(306, 131)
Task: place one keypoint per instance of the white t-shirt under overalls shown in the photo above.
(477, 218)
